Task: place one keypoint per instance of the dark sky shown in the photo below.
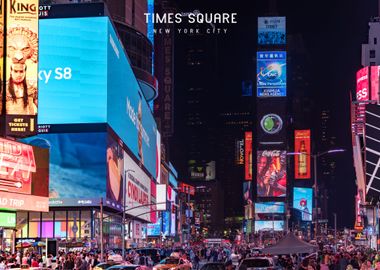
(333, 31)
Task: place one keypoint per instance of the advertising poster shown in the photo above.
(271, 173)
(271, 74)
(166, 223)
(154, 229)
(271, 30)
(2, 30)
(21, 66)
(247, 192)
(248, 155)
(375, 73)
(303, 201)
(264, 225)
(270, 208)
(362, 84)
(302, 168)
(24, 180)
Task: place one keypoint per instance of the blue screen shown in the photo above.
(166, 223)
(77, 164)
(271, 74)
(269, 207)
(128, 113)
(72, 71)
(264, 225)
(271, 30)
(154, 229)
(303, 201)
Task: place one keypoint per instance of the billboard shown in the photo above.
(201, 170)
(271, 74)
(7, 220)
(24, 180)
(187, 189)
(303, 201)
(239, 152)
(271, 30)
(264, 225)
(270, 208)
(375, 73)
(271, 124)
(271, 173)
(21, 68)
(154, 229)
(362, 84)
(77, 164)
(302, 168)
(166, 223)
(161, 195)
(248, 155)
(247, 192)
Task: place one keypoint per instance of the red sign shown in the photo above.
(185, 188)
(23, 202)
(358, 217)
(362, 84)
(375, 82)
(248, 155)
(302, 160)
(17, 164)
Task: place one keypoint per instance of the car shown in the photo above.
(258, 263)
(124, 267)
(173, 263)
(213, 266)
(105, 265)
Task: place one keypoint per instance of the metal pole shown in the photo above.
(123, 218)
(315, 197)
(188, 207)
(101, 230)
(336, 240)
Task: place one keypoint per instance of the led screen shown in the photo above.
(77, 164)
(263, 225)
(303, 201)
(271, 31)
(270, 207)
(73, 71)
(362, 84)
(303, 152)
(154, 229)
(271, 173)
(248, 155)
(375, 71)
(166, 223)
(271, 74)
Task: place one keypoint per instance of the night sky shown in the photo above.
(333, 32)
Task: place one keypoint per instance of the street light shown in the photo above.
(123, 219)
(315, 157)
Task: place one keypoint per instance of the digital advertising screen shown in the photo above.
(270, 208)
(248, 155)
(166, 223)
(247, 192)
(7, 219)
(154, 229)
(266, 225)
(77, 164)
(271, 74)
(375, 73)
(172, 224)
(21, 68)
(271, 30)
(24, 180)
(272, 123)
(271, 173)
(239, 152)
(303, 201)
(302, 168)
(73, 71)
(362, 84)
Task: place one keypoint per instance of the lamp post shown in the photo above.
(315, 157)
(123, 219)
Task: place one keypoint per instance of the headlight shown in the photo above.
(154, 268)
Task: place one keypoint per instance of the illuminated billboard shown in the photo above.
(270, 208)
(97, 89)
(7, 220)
(375, 73)
(302, 159)
(362, 84)
(271, 173)
(271, 74)
(154, 229)
(303, 201)
(248, 155)
(24, 181)
(77, 163)
(271, 30)
(247, 192)
(239, 152)
(264, 225)
(21, 68)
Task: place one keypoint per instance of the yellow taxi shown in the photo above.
(173, 263)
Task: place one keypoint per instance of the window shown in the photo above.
(372, 63)
(375, 41)
(372, 54)
(60, 225)
(47, 224)
(22, 225)
(34, 224)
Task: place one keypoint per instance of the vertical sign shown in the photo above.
(375, 83)
(302, 159)
(239, 152)
(1, 61)
(248, 155)
(362, 84)
(21, 66)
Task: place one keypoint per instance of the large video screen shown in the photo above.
(266, 225)
(77, 164)
(271, 173)
(73, 71)
(269, 208)
(128, 113)
(302, 147)
(271, 30)
(303, 201)
(271, 74)
(24, 180)
(362, 84)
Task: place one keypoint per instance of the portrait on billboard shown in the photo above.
(303, 201)
(271, 173)
(271, 31)
(271, 74)
(115, 167)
